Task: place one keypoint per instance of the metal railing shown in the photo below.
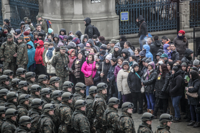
(195, 13)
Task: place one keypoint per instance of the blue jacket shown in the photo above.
(148, 53)
(31, 54)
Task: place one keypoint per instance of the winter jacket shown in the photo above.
(55, 43)
(50, 68)
(2, 38)
(117, 69)
(160, 81)
(117, 54)
(148, 53)
(150, 83)
(97, 78)
(194, 87)
(134, 81)
(104, 67)
(176, 84)
(174, 56)
(110, 74)
(154, 47)
(89, 27)
(123, 40)
(166, 51)
(130, 51)
(87, 69)
(122, 83)
(181, 46)
(93, 45)
(187, 58)
(76, 67)
(126, 58)
(31, 54)
(142, 26)
(39, 52)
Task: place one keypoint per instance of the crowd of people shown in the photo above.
(66, 82)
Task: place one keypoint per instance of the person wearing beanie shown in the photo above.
(76, 40)
(176, 91)
(181, 43)
(50, 31)
(88, 47)
(148, 82)
(122, 83)
(164, 58)
(117, 52)
(196, 63)
(134, 83)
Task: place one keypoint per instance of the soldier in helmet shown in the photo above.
(111, 116)
(23, 87)
(8, 73)
(65, 113)
(24, 125)
(99, 106)
(67, 86)
(3, 96)
(80, 122)
(43, 80)
(2, 115)
(30, 78)
(5, 82)
(15, 84)
(46, 95)
(56, 97)
(46, 124)
(35, 113)
(126, 123)
(23, 106)
(11, 100)
(165, 123)
(8, 53)
(54, 83)
(1, 69)
(21, 73)
(79, 92)
(145, 127)
(9, 126)
(35, 91)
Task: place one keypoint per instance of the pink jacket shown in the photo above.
(87, 69)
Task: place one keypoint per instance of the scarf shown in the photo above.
(119, 65)
(181, 37)
(50, 53)
(148, 74)
(101, 58)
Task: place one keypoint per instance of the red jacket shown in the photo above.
(38, 53)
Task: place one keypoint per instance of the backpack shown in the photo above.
(48, 23)
(96, 31)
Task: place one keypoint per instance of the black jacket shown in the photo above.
(134, 82)
(142, 26)
(174, 56)
(195, 88)
(106, 67)
(150, 83)
(111, 75)
(159, 86)
(126, 52)
(187, 57)
(89, 27)
(154, 47)
(176, 84)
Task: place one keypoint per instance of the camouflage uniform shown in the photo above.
(46, 100)
(35, 116)
(9, 126)
(60, 62)
(5, 86)
(89, 111)
(22, 110)
(163, 129)
(22, 129)
(77, 96)
(144, 128)
(7, 50)
(53, 88)
(21, 91)
(43, 24)
(2, 101)
(2, 119)
(11, 105)
(3, 92)
(43, 85)
(22, 55)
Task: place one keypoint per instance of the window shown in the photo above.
(95, 1)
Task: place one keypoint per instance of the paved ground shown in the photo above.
(180, 127)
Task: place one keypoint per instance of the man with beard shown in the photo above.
(8, 53)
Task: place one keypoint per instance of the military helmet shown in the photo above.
(68, 84)
(80, 86)
(56, 93)
(101, 86)
(11, 96)
(23, 98)
(35, 103)
(112, 101)
(2, 110)
(8, 72)
(11, 112)
(45, 91)
(66, 96)
(35, 88)
(166, 117)
(15, 81)
(42, 77)
(20, 71)
(48, 107)
(4, 78)
(93, 90)
(3, 92)
(80, 103)
(23, 120)
(147, 116)
(1, 66)
(54, 80)
(127, 105)
(9, 36)
(30, 75)
(23, 84)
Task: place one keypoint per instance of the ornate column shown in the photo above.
(5, 9)
(184, 14)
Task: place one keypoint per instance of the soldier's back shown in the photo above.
(8, 127)
(35, 116)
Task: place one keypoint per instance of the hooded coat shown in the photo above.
(39, 52)
(89, 27)
(79, 34)
(126, 52)
(154, 47)
(122, 41)
(31, 54)
(93, 45)
(142, 26)
(117, 54)
(63, 30)
(50, 68)
(187, 58)
(181, 46)
(55, 43)
(148, 53)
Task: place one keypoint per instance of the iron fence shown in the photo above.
(159, 15)
(194, 13)
(1, 17)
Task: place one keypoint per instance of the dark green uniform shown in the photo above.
(22, 129)
(46, 124)
(43, 85)
(35, 116)
(22, 110)
(11, 105)
(163, 129)
(89, 111)
(77, 96)
(53, 88)
(22, 55)
(9, 126)
(144, 128)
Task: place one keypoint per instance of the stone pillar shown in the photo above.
(184, 14)
(69, 14)
(6, 12)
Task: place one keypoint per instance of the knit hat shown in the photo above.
(184, 64)
(70, 51)
(160, 62)
(113, 41)
(144, 59)
(134, 65)
(152, 64)
(26, 33)
(70, 38)
(50, 30)
(148, 60)
(17, 31)
(27, 38)
(87, 45)
(142, 53)
(22, 23)
(164, 56)
(76, 40)
(175, 68)
(125, 63)
(6, 20)
(103, 52)
(194, 68)
(103, 46)
(109, 57)
(196, 62)
(182, 32)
